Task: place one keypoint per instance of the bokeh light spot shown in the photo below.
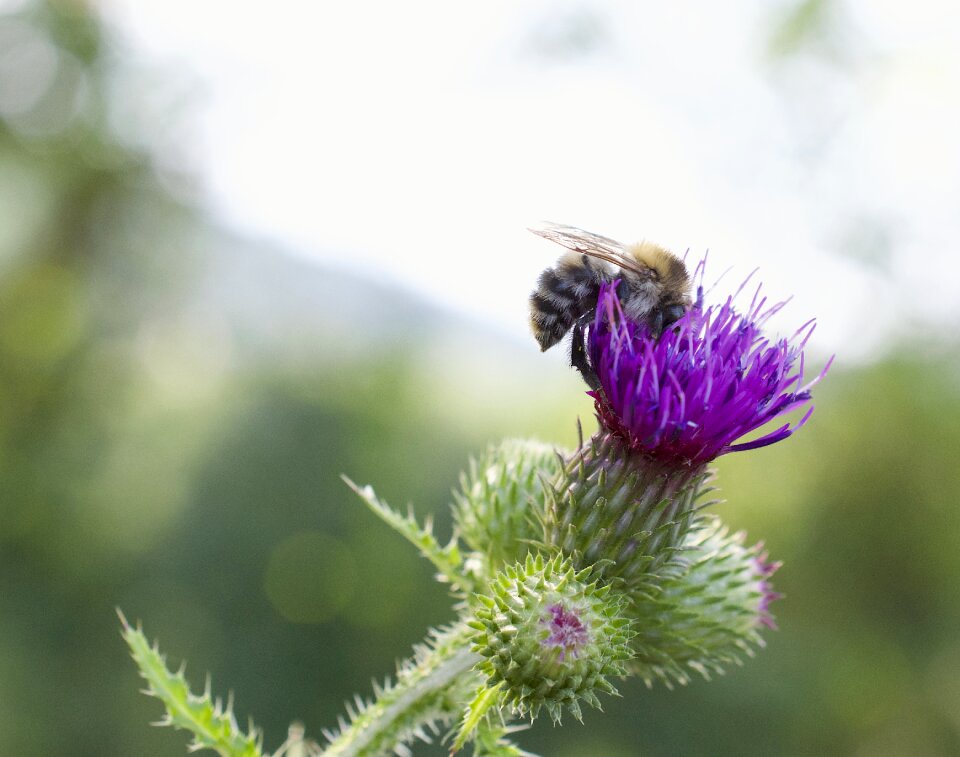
(310, 577)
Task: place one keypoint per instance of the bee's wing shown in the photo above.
(578, 240)
(594, 245)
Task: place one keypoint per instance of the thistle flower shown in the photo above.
(667, 406)
(687, 396)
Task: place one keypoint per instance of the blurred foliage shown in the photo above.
(801, 25)
(148, 461)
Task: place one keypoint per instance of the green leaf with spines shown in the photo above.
(486, 698)
(212, 724)
(490, 739)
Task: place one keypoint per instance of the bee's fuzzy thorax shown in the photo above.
(671, 271)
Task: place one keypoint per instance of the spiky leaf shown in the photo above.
(447, 560)
(427, 694)
(212, 723)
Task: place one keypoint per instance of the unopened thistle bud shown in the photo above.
(495, 509)
(709, 611)
(551, 637)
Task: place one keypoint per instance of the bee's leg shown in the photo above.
(656, 322)
(578, 353)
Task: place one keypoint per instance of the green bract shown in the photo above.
(622, 512)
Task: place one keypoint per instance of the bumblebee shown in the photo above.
(654, 289)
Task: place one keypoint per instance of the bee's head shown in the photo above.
(665, 316)
(673, 313)
(668, 287)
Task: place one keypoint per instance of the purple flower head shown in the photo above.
(709, 379)
(567, 631)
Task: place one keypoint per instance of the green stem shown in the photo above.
(432, 688)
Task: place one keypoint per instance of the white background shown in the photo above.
(417, 141)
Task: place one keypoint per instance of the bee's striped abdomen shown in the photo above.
(563, 294)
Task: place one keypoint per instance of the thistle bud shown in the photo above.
(709, 612)
(622, 511)
(550, 638)
(496, 508)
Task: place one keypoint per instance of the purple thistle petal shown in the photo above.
(764, 569)
(567, 631)
(712, 377)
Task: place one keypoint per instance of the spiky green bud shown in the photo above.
(496, 510)
(551, 638)
(708, 613)
(622, 511)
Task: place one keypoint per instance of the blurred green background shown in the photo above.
(177, 404)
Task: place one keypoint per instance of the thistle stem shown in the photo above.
(430, 689)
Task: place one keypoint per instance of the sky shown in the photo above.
(416, 142)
